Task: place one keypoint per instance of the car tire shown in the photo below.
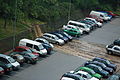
(109, 52)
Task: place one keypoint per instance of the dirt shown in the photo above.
(88, 51)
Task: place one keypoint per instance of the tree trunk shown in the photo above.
(5, 23)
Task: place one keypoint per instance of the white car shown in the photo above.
(72, 27)
(85, 75)
(53, 39)
(98, 23)
(113, 49)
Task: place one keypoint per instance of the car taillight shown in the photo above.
(8, 69)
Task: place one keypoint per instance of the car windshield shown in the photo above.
(56, 38)
(46, 41)
(89, 76)
(31, 55)
(87, 26)
(66, 34)
(108, 62)
(41, 47)
(30, 50)
(20, 57)
(106, 15)
(92, 72)
(11, 60)
(100, 68)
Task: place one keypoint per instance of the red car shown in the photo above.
(112, 14)
(24, 48)
(96, 18)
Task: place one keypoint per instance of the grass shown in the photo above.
(20, 26)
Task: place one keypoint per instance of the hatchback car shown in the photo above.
(73, 32)
(24, 48)
(69, 76)
(1, 71)
(9, 60)
(102, 65)
(106, 62)
(66, 35)
(53, 39)
(6, 66)
(29, 57)
(90, 71)
(19, 58)
(99, 70)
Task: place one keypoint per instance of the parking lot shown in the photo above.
(86, 47)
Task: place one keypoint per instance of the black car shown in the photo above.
(106, 62)
(102, 65)
(29, 57)
(6, 66)
(70, 76)
(98, 69)
(114, 77)
(61, 36)
(117, 42)
(66, 35)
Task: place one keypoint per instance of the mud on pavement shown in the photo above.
(88, 51)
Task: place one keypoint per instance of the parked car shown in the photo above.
(10, 60)
(85, 75)
(53, 39)
(19, 58)
(94, 20)
(42, 40)
(106, 62)
(36, 46)
(73, 32)
(82, 26)
(25, 48)
(66, 35)
(99, 70)
(72, 27)
(102, 65)
(1, 71)
(90, 71)
(113, 49)
(60, 36)
(69, 76)
(6, 66)
(112, 14)
(117, 42)
(114, 77)
(29, 57)
(46, 46)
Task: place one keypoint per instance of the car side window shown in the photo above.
(4, 60)
(36, 47)
(29, 45)
(101, 15)
(116, 48)
(52, 37)
(84, 76)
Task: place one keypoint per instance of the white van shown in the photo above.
(100, 15)
(36, 46)
(8, 59)
(82, 26)
(72, 27)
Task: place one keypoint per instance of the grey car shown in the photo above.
(53, 39)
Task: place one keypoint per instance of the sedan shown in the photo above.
(106, 62)
(102, 65)
(99, 70)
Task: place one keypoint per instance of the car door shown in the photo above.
(53, 39)
(116, 50)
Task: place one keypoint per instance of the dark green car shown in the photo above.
(73, 32)
(90, 71)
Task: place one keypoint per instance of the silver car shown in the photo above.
(53, 39)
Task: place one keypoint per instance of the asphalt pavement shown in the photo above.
(105, 35)
(49, 68)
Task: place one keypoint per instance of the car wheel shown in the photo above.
(109, 52)
(28, 62)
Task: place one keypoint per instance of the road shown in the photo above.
(50, 68)
(105, 35)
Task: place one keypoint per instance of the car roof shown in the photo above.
(82, 72)
(50, 34)
(30, 41)
(25, 47)
(77, 22)
(4, 56)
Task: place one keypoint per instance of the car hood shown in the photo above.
(97, 75)
(15, 64)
